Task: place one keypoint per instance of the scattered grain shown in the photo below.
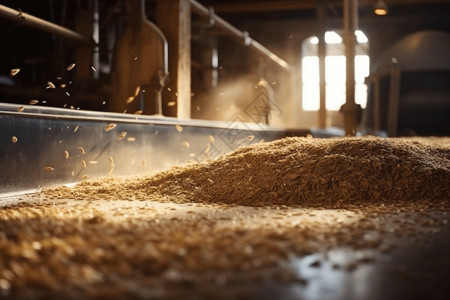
(122, 135)
(110, 126)
(14, 72)
(70, 67)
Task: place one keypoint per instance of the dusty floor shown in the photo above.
(121, 249)
(297, 218)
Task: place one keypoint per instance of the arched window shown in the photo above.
(334, 71)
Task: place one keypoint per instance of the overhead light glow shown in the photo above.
(380, 8)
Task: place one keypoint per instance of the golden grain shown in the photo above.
(110, 126)
(66, 154)
(49, 169)
(122, 135)
(14, 72)
(81, 150)
(129, 100)
(14, 139)
(179, 128)
(70, 67)
(136, 91)
(33, 102)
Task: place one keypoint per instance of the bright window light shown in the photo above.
(331, 37)
(335, 77)
(361, 37)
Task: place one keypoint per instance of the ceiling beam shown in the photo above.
(286, 5)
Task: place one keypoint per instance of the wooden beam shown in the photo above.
(174, 20)
(287, 5)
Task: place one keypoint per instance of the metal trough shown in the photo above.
(43, 146)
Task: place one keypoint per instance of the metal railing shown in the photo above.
(233, 32)
(35, 22)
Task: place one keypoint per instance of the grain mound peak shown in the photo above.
(306, 172)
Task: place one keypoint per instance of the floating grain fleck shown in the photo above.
(131, 139)
(110, 126)
(14, 139)
(14, 72)
(122, 135)
(70, 67)
(20, 108)
(171, 103)
(137, 90)
(81, 149)
(49, 169)
(33, 102)
(66, 154)
(130, 99)
(179, 128)
(50, 85)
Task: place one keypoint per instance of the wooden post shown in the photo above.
(174, 20)
(321, 15)
(350, 109)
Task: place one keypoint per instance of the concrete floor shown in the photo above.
(400, 253)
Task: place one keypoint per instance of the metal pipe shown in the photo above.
(29, 20)
(238, 35)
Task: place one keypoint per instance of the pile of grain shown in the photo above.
(297, 171)
(119, 247)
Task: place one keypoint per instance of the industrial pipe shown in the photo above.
(238, 35)
(29, 20)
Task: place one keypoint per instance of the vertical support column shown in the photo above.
(321, 15)
(174, 20)
(394, 94)
(376, 103)
(350, 109)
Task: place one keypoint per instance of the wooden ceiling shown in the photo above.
(249, 6)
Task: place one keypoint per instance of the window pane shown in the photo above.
(335, 77)
(310, 70)
(310, 97)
